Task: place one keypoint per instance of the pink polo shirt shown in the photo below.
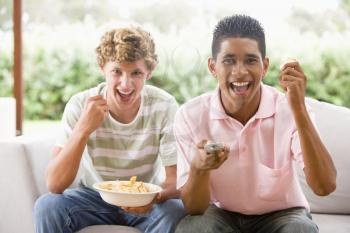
(259, 175)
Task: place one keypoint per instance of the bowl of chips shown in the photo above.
(128, 193)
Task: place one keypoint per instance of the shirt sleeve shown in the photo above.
(186, 148)
(295, 145)
(167, 146)
(70, 117)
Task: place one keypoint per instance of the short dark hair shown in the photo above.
(242, 26)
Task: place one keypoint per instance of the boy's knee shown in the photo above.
(300, 226)
(173, 208)
(46, 203)
(201, 223)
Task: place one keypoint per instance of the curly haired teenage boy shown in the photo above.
(125, 127)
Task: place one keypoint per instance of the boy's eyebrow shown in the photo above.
(230, 55)
(252, 55)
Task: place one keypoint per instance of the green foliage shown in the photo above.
(345, 5)
(183, 82)
(58, 34)
(328, 79)
(59, 62)
(51, 78)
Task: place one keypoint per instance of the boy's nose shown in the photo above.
(239, 69)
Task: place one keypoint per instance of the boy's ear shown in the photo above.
(266, 64)
(149, 75)
(211, 66)
(101, 70)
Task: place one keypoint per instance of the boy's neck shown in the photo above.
(125, 115)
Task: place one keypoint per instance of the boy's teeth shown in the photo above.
(240, 83)
(124, 93)
(240, 87)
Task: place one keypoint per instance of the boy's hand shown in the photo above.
(93, 114)
(205, 161)
(293, 81)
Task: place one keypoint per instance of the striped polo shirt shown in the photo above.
(119, 151)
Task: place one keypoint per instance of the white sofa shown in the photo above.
(23, 161)
(22, 166)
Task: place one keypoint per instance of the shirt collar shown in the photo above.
(266, 107)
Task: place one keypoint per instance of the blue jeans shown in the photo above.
(81, 207)
(293, 220)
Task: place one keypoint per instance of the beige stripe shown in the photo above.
(124, 154)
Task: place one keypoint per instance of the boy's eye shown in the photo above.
(116, 71)
(228, 61)
(136, 73)
(251, 60)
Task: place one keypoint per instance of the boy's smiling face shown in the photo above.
(239, 69)
(125, 82)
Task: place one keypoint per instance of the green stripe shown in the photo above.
(120, 163)
(124, 144)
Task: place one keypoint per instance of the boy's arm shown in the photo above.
(195, 194)
(193, 166)
(64, 164)
(319, 169)
(169, 185)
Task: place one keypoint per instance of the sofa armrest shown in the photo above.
(38, 149)
(17, 194)
(333, 123)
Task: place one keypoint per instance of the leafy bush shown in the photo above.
(53, 72)
(52, 78)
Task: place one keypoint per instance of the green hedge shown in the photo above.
(52, 77)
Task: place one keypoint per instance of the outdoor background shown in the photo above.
(59, 39)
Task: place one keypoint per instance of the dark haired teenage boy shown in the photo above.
(251, 184)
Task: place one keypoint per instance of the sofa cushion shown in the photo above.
(38, 148)
(109, 229)
(332, 223)
(333, 123)
(16, 196)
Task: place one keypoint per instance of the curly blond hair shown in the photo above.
(127, 45)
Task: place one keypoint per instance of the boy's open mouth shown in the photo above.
(125, 96)
(240, 88)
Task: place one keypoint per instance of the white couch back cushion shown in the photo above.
(333, 123)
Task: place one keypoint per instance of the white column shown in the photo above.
(7, 117)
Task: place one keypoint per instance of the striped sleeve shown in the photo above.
(70, 117)
(167, 145)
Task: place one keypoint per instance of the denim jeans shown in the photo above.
(293, 220)
(81, 207)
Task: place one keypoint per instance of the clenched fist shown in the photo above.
(293, 81)
(94, 113)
